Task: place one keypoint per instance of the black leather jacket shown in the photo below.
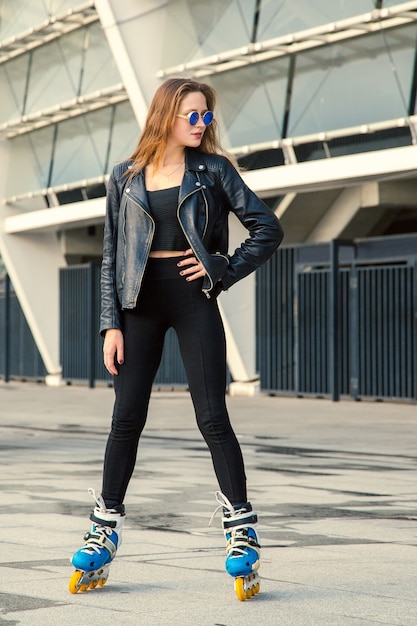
(210, 189)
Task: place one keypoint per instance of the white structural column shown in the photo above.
(342, 212)
(32, 263)
(121, 57)
(238, 312)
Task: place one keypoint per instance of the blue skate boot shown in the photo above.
(242, 547)
(93, 560)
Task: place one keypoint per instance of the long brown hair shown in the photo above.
(161, 118)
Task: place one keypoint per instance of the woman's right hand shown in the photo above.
(113, 350)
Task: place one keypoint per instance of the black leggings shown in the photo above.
(168, 300)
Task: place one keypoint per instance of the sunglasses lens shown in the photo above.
(208, 118)
(193, 118)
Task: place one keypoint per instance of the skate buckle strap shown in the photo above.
(99, 539)
(240, 520)
(100, 521)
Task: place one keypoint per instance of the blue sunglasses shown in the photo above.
(194, 116)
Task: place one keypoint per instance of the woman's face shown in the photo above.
(183, 133)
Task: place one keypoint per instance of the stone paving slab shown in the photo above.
(333, 483)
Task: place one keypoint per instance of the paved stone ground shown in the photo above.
(334, 485)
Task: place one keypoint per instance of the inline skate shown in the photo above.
(242, 547)
(93, 560)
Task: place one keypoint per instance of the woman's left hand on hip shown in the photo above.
(191, 268)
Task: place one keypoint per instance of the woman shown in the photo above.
(165, 260)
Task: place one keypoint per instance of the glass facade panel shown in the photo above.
(98, 67)
(365, 80)
(13, 85)
(251, 102)
(124, 136)
(77, 155)
(391, 3)
(220, 36)
(196, 28)
(17, 16)
(76, 64)
(80, 148)
(51, 79)
(41, 146)
(20, 15)
(30, 154)
(288, 16)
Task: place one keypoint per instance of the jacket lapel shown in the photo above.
(137, 191)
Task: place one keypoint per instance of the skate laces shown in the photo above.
(224, 503)
(98, 500)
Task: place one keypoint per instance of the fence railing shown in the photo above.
(333, 320)
(340, 319)
(80, 343)
(19, 356)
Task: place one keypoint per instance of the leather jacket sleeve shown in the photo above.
(110, 309)
(265, 230)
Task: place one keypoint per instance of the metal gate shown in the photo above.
(19, 355)
(383, 321)
(353, 327)
(80, 343)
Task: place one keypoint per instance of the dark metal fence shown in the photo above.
(333, 320)
(339, 319)
(19, 356)
(80, 344)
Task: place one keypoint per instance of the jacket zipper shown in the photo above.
(139, 283)
(205, 291)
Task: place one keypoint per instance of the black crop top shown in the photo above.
(168, 232)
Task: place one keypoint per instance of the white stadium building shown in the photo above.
(317, 101)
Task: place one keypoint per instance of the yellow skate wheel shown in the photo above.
(240, 589)
(101, 582)
(73, 583)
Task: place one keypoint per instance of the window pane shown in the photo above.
(31, 154)
(198, 28)
(76, 64)
(86, 147)
(51, 81)
(288, 16)
(251, 102)
(125, 134)
(81, 147)
(17, 16)
(365, 80)
(99, 69)
(391, 3)
(90, 145)
(13, 77)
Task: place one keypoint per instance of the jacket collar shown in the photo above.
(194, 160)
